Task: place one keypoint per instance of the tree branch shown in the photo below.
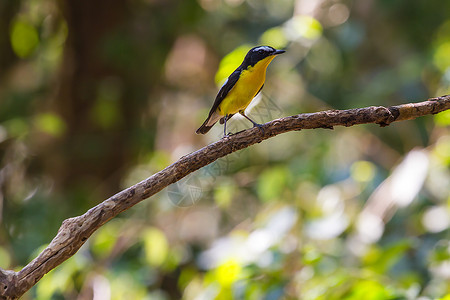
(74, 232)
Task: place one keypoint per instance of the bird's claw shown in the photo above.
(259, 126)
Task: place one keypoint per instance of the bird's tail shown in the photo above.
(208, 124)
(204, 128)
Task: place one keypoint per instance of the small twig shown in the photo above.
(74, 232)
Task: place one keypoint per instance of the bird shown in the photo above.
(240, 88)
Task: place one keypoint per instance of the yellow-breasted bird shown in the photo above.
(240, 88)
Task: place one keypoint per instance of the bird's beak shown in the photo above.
(278, 52)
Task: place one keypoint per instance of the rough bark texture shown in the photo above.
(75, 231)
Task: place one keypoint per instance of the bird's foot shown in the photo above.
(259, 126)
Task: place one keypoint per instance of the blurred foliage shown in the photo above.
(97, 95)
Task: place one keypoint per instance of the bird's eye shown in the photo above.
(261, 51)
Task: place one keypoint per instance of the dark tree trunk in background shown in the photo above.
(8, 9)
(88, 152)
(106, 64)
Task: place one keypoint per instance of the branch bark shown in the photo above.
(74, 232)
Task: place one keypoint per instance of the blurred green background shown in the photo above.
(97, 95)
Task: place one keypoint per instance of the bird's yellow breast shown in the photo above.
(249, 83)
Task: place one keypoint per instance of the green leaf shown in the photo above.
(442, 119)
(51, 124)
(381, 260)
(230, 62)
(24, 38)
(272, 182)
(156, 246)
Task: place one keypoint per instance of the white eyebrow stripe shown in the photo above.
(265, 48)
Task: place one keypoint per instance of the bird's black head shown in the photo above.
(258, 53)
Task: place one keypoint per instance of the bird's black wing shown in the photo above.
(223, 92)
(225, 89)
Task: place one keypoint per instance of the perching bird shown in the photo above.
(240, 88)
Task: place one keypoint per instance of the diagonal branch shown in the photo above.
(75, 231)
